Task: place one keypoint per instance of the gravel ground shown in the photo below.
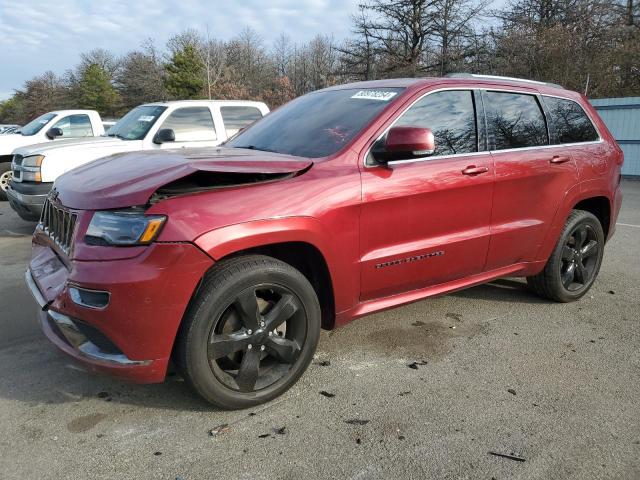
(496, 370)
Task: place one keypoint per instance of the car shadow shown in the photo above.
(53, 378)
(510, 290)
(37, 374)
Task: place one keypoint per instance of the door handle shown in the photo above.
(473, 170)
(558, 159)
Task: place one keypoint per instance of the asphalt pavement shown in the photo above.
(434, 389)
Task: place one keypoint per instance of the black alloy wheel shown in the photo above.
(575, 261)
(258, 338)
(579, 258)
(249, 333)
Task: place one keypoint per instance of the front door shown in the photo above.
(426, 221)
(192, 126)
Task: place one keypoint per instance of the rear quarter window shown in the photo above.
(569, 122)
(515, 120)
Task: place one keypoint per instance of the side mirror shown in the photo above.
(54, 132)
(410, 141)
(164, 135)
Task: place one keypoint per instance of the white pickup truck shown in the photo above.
(164, 125)
(50, 126)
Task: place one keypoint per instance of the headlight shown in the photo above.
(32, 161)
(123, 228)
(30, 167)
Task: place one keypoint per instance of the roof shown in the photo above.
(207, 102)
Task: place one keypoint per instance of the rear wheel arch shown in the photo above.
(600, 207)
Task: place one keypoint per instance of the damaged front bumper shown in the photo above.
(132, 335)
(75, 341)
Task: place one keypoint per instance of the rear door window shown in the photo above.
(450, 115)
(569, 122)
(514, 120)
(191, 124)
(236, 118)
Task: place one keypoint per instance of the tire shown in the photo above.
(575, 261)
(226, 354)
(5, 178)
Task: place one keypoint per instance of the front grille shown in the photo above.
(59, 224)
(15, 163)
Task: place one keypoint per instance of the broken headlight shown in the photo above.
(123, 228)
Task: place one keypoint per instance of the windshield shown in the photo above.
(317, 124)
(135, 124)
(34, 126)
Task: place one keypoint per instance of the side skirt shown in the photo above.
(385, 303)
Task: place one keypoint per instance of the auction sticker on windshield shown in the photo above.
(146, 118)
(382, 95)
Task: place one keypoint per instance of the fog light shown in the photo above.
(89, 298)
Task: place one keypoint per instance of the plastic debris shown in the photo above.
(356, 421)
(220, 429)
(415, 365)
(509, 456)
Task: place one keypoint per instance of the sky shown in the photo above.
(41, 35)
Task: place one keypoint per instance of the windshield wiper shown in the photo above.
(261, 149)
(117, 135)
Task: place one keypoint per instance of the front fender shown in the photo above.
(341, 260)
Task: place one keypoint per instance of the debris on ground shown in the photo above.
(327, 394)
(157, 454)
(220, 429)
(281, 430)
(324, 363)
(103, 394)
(264, 435)
(415, 365)
(511, 391)
(402, 394)
(454, 316)
(400, 437)
(356, 421)
(358, 441)
(509, 456)
(418, 323)
(611, 292)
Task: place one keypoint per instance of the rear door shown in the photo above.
(531, 176)
(425, 221)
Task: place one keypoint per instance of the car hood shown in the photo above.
(8, 143)
(73, 144)
(130, 179)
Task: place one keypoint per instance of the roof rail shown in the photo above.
(498, 77)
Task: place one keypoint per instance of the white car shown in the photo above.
(58, 125)
(164, 125)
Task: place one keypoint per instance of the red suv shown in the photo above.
(344, 202)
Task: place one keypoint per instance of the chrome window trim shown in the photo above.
(439, 157)
(527, 91)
